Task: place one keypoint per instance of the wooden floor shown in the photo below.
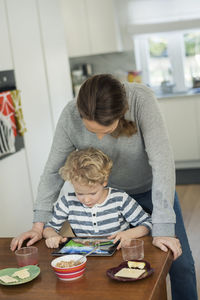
(189, 197)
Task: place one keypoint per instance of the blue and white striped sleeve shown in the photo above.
(60, 214)
(134, 213)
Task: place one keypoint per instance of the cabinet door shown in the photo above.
(5, 57)
(76, 27)
(181, 119)
(103, 26)
(54, 45)
(30, 71)
(15, 188)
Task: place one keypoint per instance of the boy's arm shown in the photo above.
(53, 239)
(60, 214)
(49, 232)
(134, 214)
(136, 232)
(136, 217)
(132, 233)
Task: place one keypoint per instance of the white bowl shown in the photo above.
(69, 273)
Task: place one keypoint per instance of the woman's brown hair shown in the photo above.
(102, 98)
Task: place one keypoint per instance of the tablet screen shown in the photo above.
(83, 245)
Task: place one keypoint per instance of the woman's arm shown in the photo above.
(35, 234)
(160, 156)
(51, 182)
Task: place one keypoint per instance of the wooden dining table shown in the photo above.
(94, 284)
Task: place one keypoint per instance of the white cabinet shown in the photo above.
(76, 27)
(35, 48)
(6, 62)
(91, 27)
(103, 26)
(183, 123)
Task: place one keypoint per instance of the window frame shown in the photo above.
(176, 54)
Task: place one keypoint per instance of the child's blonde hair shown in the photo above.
(88, 166)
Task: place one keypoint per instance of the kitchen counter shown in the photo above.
(190, 92)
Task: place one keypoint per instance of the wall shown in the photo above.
(34, 46)
(107, 63)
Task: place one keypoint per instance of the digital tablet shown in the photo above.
(83, 245)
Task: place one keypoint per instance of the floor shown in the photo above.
(189, 197)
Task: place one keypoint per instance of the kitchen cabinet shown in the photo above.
(6, 62)
(35, 48)
(182, 116)
(91, 27)
(15, 189)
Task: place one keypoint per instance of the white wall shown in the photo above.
(35, 48)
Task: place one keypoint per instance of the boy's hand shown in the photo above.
(122, 236)
(54, 241)
(132, 233)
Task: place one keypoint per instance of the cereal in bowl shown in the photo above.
(66, 264)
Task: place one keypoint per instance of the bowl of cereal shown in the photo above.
(69, 267)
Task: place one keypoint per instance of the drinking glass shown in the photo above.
(27, 256)
(132, 249)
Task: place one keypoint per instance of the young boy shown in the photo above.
(95, 209)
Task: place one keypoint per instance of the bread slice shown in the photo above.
(130, 273)
(22, 274)
(8, 279)
(136, 264)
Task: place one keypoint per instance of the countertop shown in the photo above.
(189, 92)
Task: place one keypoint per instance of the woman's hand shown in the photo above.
(35, 234)
(167, 242)
(54, 241)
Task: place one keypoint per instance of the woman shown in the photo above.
(124, 122)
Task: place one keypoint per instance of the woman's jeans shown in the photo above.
(182, 272)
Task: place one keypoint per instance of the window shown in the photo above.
(171, 58)
(159, 63)
(192, 57)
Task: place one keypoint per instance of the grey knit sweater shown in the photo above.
(141, 162)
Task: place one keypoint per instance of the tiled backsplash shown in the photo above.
(117, 64)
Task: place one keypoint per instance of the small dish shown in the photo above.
(33, 270)
(111, 272)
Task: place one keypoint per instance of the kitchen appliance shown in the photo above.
(167, 87)
(196, 82)
(79, 74)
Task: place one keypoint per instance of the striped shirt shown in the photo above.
(115, 214)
